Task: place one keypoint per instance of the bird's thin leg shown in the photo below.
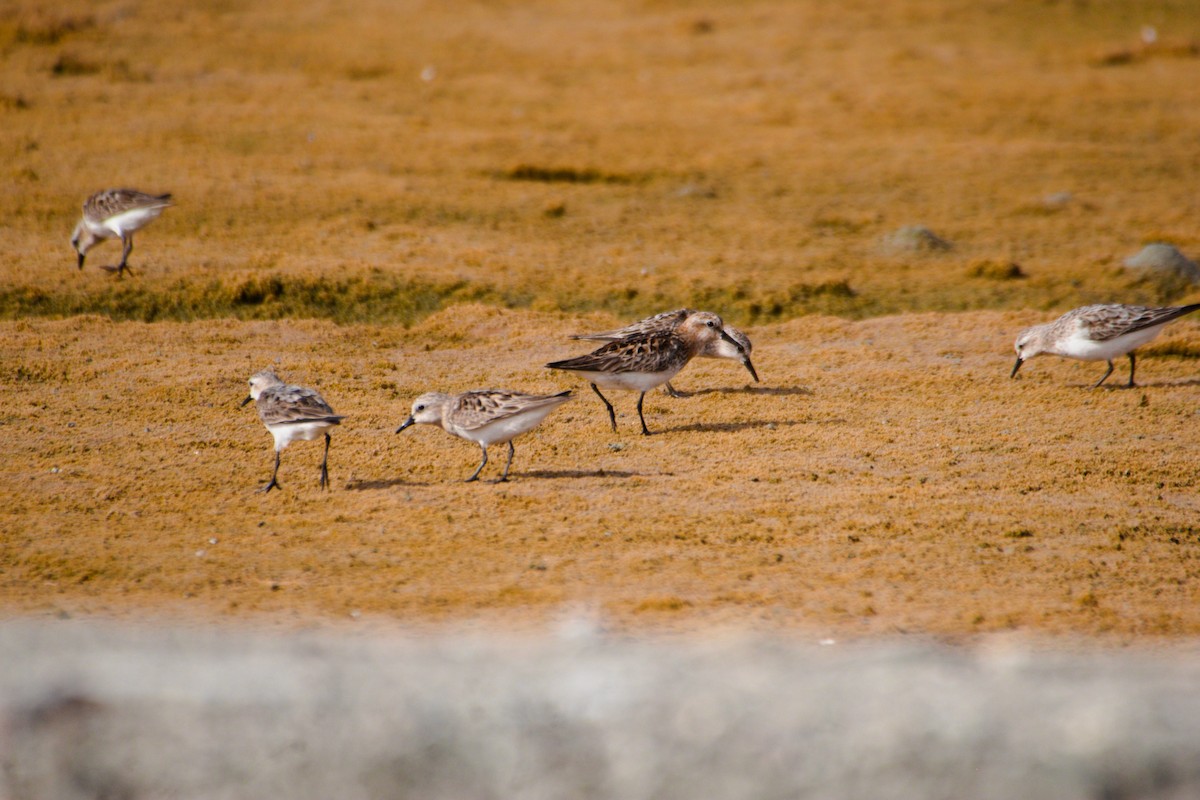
(128, 242)
(1132, 367)
(612, 415)
(1102, 380)
(507, 464)
(645, 430)
(672, 391)
(325, 465)
(475, 474)
(274, 484)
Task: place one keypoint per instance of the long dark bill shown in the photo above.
(742, 350)
(407, 424)
(746, 363)
(247, 400)
(732, 341)
(1017, 366)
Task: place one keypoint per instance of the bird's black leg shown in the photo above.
(1102, 380)
(124, 265)
(612, 415)
(274, 484)
(645, 430)
(1132, 366)
(672, 391)
(325, 465)
(475, 474)
(507, 464)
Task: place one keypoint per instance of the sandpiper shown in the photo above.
(485, 416)
(1099, 332)
(645, 360)
(717, 348)
(291, 413)
(116, 213)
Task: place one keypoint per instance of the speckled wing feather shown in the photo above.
(289, 404)
(110, 202)
(473, 410)
(1104, 322)
(644, 352)
(1159, 316)
(665, 321)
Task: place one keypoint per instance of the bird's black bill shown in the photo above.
(247, 400)
(749, 366)
(733, 342)
(81, 257)
(1017, 366)
(407, 423)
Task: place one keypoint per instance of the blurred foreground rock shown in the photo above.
(96, 711)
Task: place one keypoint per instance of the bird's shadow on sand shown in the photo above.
(731, 427)
(575, 473)
(1124, 387)
(391, 483)
(765, 391)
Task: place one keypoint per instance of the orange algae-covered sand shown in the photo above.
(886, 476)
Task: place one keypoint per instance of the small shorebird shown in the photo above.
(717, 348)
(648, 359)
(116, 213)
(1097, 333)
(291, 413)
(485, 416)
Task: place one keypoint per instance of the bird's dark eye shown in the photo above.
(711, 324)
(420, 408)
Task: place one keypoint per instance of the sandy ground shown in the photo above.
(885, 477)
(399, 196)
(621, 155)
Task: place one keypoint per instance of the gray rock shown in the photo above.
(1165, 259)
(914, 239)
(1057, 200)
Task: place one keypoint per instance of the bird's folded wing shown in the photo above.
(475, 409)
(639, 353)
(294, 404)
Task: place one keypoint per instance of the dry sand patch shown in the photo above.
(886, 476)
(580, 170)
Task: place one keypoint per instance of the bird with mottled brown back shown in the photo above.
(116, 213)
